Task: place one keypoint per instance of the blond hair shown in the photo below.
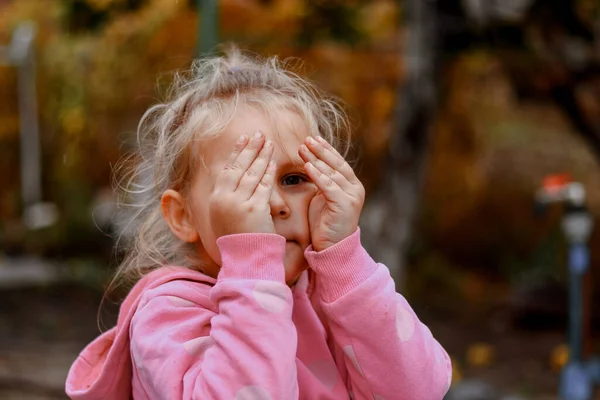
(199, 105)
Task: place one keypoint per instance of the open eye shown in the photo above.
(293, 179)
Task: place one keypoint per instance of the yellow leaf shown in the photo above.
(480, 355)
(100, 5)
(559, 357)
(73, 121)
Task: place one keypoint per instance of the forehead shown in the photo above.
(285, 128)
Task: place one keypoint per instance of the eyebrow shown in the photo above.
(297, 162)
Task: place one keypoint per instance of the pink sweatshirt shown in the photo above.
(342, 332)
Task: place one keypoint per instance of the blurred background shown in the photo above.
(462, 108)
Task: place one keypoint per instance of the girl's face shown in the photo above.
(292, 189)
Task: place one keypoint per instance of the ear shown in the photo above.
(175, 213)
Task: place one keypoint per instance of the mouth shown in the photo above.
(297, 243)
(293, 242)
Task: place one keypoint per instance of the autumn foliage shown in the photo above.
(101, 63)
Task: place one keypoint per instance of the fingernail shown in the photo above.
(258, 135)
(268, 144)
(311, 140)
(242, 139)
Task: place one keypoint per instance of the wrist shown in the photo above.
(342, 266)
(252, 256)
(322, 245)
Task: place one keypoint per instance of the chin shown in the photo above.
(293, 271)
(292, 277)
(294, 263)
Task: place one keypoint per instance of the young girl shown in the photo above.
(254, 284)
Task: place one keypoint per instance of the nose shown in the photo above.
(279, 207)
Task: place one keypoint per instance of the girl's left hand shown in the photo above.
(334, 212)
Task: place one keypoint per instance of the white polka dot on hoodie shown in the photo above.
(252, 393)
(198, 346)
(349, 350)
(271, 296)
(405, 324)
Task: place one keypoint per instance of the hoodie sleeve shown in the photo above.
(242, 348)
(389, 353)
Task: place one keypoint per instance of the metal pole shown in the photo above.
(578, 263)
(577, 378)
(31, 171)
(208, 27)
(20, 53)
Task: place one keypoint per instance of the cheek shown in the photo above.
(199, 209)
(201, 219)
(201, 188)
(301, 202)
(206, 233)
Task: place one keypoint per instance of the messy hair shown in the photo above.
(199, 104)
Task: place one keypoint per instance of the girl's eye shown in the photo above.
(293, 180)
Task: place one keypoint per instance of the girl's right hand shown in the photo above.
(239, 202)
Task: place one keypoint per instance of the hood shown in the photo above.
(103, 369)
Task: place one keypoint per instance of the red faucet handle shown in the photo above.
(555, 182)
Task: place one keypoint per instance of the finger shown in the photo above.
(255, 172)
(230, 178)
(325, 152)
(331, 190)
(265, 186)
(237, 149)
(336, 176)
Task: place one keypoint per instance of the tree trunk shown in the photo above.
(390, 211)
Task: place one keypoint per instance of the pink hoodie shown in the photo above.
(342, 332)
